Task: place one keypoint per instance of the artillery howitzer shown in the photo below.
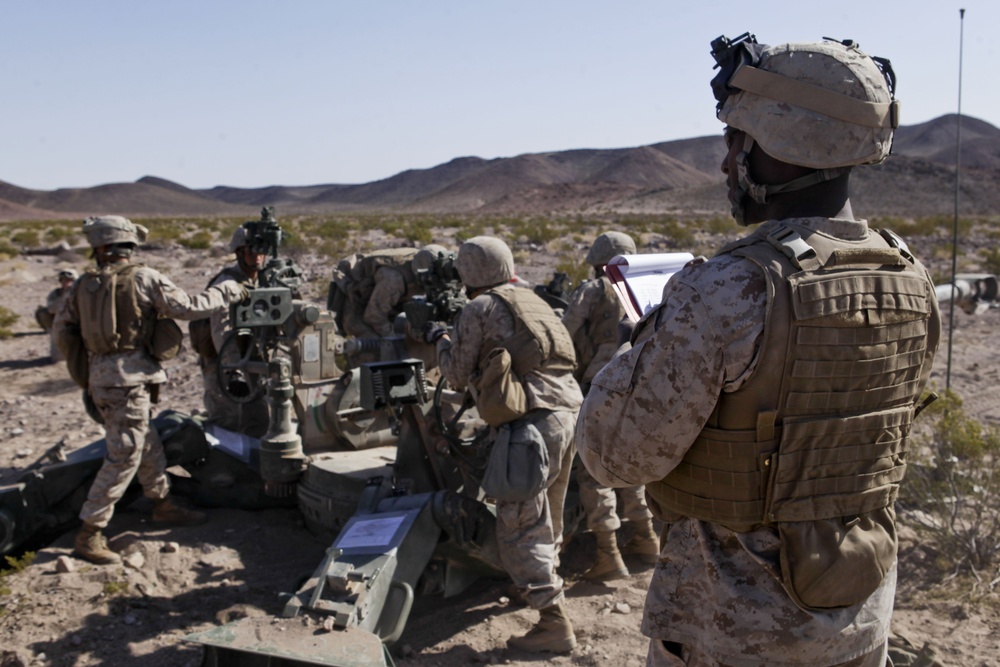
(375, 458)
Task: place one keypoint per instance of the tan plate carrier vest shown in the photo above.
(112, 324)
(540, 339)
(814, 442)
(363, 274)
(601, 327)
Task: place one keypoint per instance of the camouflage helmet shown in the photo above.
(424, 259)
(818, 105)
(484, 261)
(607, 245)
(111, 229)
(68, 274)
(239, 239)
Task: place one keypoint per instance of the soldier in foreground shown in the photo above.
(114, 330)
(501, 316)
(592, 318)
(46, 315)
(207, 336)
(767, 401)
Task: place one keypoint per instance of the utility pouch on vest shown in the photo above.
(165, 342)
(518, 466)
(200, 332)
(839, 562)
(70, 343)
(500, 396)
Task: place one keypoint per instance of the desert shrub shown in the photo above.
(534, 230)
(576, 270)
(26, 238)
(468, 230)
(677, 233)
(991, 261)
(200, 240)
(7, 250)
(952, 488)
(7, 319)
(14, 565)
(719, 225)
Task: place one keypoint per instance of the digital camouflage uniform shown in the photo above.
(251, 418)
(592, 300)
(120, 385)
(528, 532)
(715, 591)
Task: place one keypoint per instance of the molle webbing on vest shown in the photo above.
(540, 340)
(110, 318)
(819, 429)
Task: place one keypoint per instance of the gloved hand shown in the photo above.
(244, 293)
(433, 331)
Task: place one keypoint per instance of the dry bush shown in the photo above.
(951, 494)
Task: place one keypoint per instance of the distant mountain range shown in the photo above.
(679, 177)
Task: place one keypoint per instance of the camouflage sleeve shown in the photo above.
(219, 319)
(459, 357)
(390, 288)
(647, 406)
(167, 299)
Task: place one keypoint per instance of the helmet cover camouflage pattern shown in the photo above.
(111, 229)
(68, 274)
(239, 239)
(484, 261)
(607, 245)
(810, 138)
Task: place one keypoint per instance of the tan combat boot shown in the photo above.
(552, 634)
(91, 546)
(168, 512)
(645, 544)
(609, 565)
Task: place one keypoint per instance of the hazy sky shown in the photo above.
(251, 93)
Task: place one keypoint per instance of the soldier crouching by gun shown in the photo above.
(370, 291)
(114, 329)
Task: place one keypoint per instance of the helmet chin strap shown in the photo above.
(759, 193)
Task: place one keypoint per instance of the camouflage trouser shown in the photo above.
(600, 502)
(671, 654)
(247, 418)
(133, 449)
(526, 531)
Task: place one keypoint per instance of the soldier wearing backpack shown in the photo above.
(516, 356)
(114, 329)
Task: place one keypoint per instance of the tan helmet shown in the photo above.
(239, 239)
(819, 105)
(110, 229)
(424, 259)
(484, 261)
(68, 274)
(607, 245)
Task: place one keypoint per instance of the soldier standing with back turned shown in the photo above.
(767, 401)
(592, 318)
(528, 532)
(110, 330)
